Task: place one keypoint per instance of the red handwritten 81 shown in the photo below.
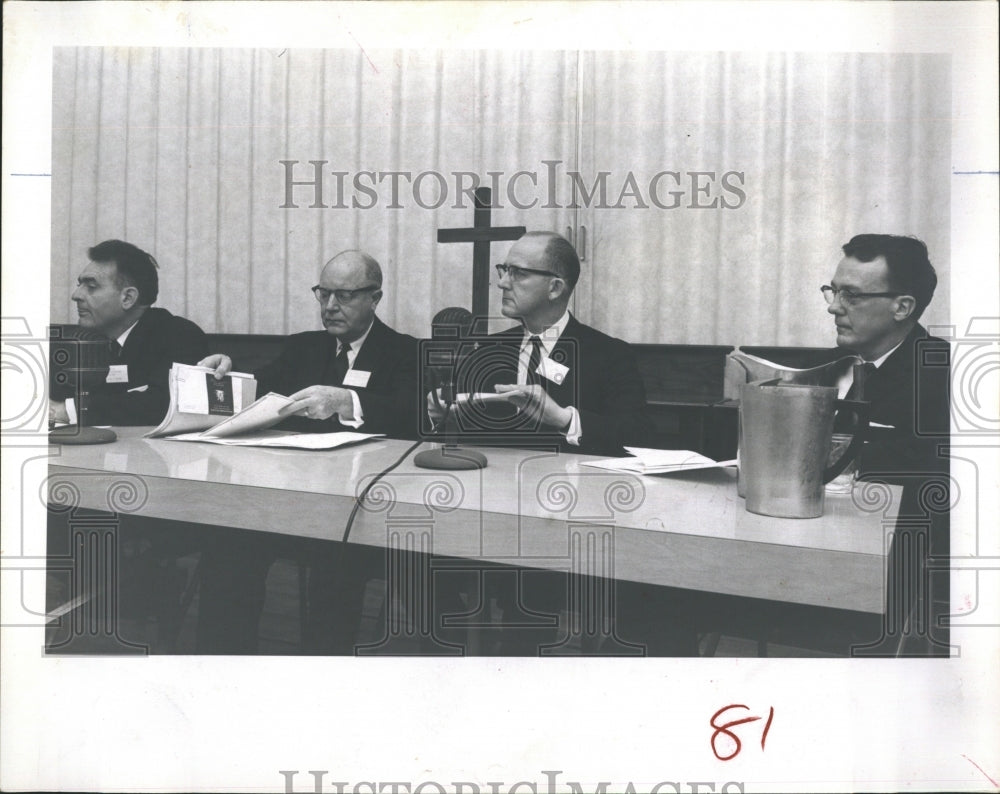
(724, 730)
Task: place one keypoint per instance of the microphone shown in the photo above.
(449, 327)
(441, 360)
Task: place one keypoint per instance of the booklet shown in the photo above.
(198, 401)
(659, 461)
(224, 411)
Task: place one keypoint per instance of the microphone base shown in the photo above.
(450, 458)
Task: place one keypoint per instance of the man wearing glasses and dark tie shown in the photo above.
(358, 374)
(580, 390)
(878, 293)
(568, 383)
(127, 384)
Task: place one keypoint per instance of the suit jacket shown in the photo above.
(154, 344)
(910, 392)
(602, 383)
(389, 401)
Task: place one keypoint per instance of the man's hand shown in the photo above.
(321, 402)
(536, 404)
(435, 407)
(57, 411)
(220, 362)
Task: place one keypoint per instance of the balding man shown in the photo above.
(358, 374)
(580, 389)
(569, 383)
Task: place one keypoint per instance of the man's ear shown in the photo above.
(557, 288)
(905, 306)
(376, 297)
(130, 296)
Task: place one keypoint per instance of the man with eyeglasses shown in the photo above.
(357, 374)
(569, 382)
(878, 293)
(581, 389)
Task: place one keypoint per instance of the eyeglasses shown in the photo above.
(849, 297)
(342, 295)
(517, 273)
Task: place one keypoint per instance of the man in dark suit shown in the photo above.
(878, 293)
(114, 298)
(357, 374)
(564, 382)
(580, 390)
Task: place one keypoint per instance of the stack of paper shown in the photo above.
(659, 461)
(198, 401)
(279, 438)
(223, 411)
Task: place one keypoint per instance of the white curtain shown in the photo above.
(179, 151)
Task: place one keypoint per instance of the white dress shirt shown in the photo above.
(352, 354)
(548, 337)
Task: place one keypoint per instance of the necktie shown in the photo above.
(534, 360)
(846, 421)
(341, 365)
(116, 349)
(857, 390)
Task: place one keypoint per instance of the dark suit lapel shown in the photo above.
(509, 344)
(896, 369)
(373, 351)
(566, 351)
(137, 339)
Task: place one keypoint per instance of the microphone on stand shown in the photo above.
(439, 364)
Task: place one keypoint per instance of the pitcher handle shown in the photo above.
(860, 409)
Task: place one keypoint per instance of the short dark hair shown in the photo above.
(910, 269)
(560, 257)
(135, 267)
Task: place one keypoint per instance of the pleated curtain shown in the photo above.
(180, 151)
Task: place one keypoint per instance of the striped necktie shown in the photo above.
(534, 360)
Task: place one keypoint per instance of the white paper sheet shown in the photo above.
(278, 438)
(659, 461)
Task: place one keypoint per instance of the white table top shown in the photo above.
(687, 530)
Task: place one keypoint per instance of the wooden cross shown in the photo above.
(481, 235)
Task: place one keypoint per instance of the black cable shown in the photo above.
(361, 497)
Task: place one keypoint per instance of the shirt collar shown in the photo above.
(549, 336)
(878, 362)
(357, 343)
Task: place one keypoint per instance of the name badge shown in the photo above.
(117, 373)
(357, 377)
(552, 370)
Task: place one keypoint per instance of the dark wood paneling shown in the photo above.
(249, 352)
(682, 374)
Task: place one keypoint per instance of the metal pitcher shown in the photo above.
(785, 431)
(744, 368)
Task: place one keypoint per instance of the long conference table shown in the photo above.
(529, 509)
